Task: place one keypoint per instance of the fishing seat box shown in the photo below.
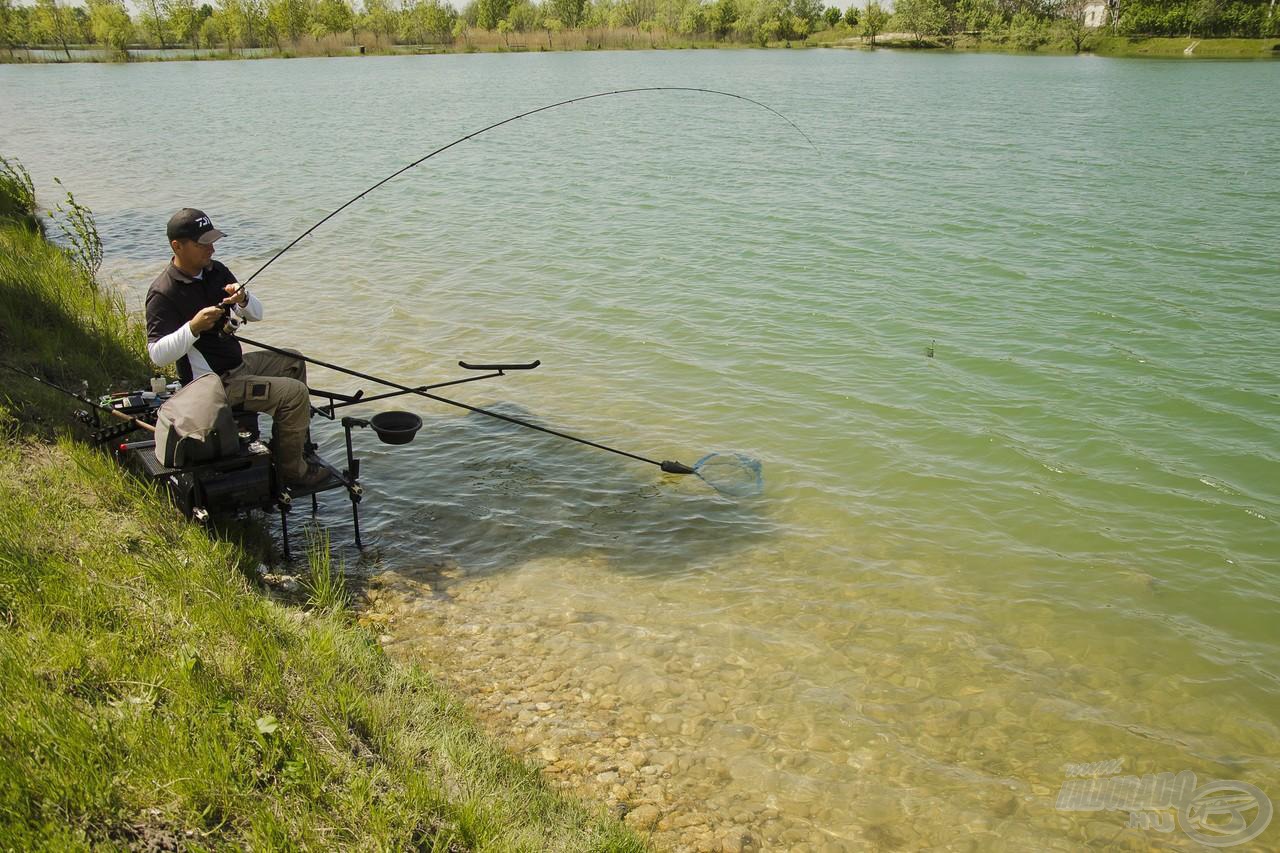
(196, 425)
(242, 480)
(199, 454)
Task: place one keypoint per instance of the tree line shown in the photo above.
(284, 24)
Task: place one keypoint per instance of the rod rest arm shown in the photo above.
(466, 365)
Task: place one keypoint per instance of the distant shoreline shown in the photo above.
(1110, 46)
(1114, 46)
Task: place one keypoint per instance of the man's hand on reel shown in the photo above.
(207, 319)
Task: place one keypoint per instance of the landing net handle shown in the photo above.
(668, 466)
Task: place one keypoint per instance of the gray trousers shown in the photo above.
(276, 384)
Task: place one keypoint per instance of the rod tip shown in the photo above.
(672, 467)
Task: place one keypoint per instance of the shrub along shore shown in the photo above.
(104, 30)
(152, 695)
(1044, 42)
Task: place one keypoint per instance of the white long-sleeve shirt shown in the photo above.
(182, 341)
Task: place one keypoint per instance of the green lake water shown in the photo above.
(1053, 541)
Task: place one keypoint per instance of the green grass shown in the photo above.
(56, 323)
(1176, 47)
(151, 697)
(1101, 45)
(149, 692)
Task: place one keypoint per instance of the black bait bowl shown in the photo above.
(396, 427)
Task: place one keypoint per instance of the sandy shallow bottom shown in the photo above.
(869, 731)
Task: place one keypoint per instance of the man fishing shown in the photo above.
(185, 309)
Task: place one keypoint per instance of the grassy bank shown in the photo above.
(482, 42)
(1114, 46)
(152, 697)
(634, 39)
(1178, 47)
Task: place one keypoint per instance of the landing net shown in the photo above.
(734, 474)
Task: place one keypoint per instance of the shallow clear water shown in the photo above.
(1052, 540)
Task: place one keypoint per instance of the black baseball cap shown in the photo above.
(192, 224)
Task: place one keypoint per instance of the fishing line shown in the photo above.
(498, 124)
(731, 473)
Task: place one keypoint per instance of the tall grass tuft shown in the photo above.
(84, 245)
(17, 192)
(326, 588)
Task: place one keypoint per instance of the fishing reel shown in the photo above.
(231, 320)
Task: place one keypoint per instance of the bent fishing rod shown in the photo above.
(498, 124)
(667, 465)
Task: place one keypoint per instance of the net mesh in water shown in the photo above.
(734, 474)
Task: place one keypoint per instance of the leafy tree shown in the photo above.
(110, 25)
(1027, 32)
(1070, 27)
(851, 16)
(724, 14)
(407, 25)
(439, 20)
(553, 26)
(53, 23)
(668, 13)
(462, 30)
(153, 21)
(422, 22)
(380, 19)
(212, 31)
(184, 19)
(253, 21)
(630, 13)
(489, 12)
(568, 12)
(524, 17)
(976, 15)
(765, 21)
(151, 29)
(332, 17)
(79, 24)
(832, 16)
(808, 10)
(289, 19)
(1204, 15)
(23, 25)
(766, 31)
(229, 27)
(874, 19)
(693, 20)
(921, 17)
(243, 22)
(596, 15)
(9, 25)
